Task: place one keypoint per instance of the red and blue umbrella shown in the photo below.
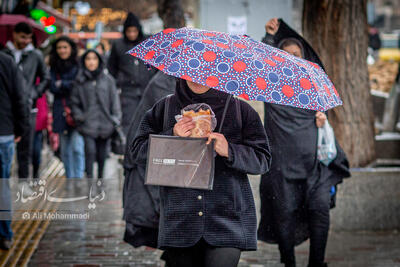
(239, 65)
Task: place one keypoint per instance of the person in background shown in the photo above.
(296, 194)
(374, 40)
(142, 202)
(30, 61)
(41, 125)
(14, 123)
(131, 74)
(95, 108)
(100, 48)
(64, 67)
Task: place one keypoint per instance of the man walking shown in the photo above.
(30, 61)
(14, 114)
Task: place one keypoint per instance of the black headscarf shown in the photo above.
(132, 20)
(92, 75)
(292, 131)
(59, 65)
(285, 32)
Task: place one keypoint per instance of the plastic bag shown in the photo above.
(205, 124)
(326, 151)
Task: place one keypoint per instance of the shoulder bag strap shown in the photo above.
(166, 111)
(224, 113)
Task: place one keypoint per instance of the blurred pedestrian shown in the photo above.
(95, 108)
(208, 227)
(296, 193)
(131, 74)
(14, 123)
(64, 67)
(30, 62)
(374, 40)
(142, 223)
(41, 125)
(141, 211)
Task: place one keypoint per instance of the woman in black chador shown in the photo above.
(296, 194)
(209, 227)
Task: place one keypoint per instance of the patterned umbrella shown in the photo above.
(239, 65)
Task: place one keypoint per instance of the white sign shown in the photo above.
(237, 25)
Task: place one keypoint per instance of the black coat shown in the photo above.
(131, 74)
(14, 111)
(88, 94)
(229, 218)
(293, 138)
(61, 95)
(142, 202)
(33, 67)
(132, 77)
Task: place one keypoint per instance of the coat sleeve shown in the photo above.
(66, 85)
(43, 74)
(253, 155)
(152, 123)
(115, 103)
(19, 104)
(76, 106)
(268, 39)
(112, 64)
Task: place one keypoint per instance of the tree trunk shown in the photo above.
(171, 12)
(337, 30)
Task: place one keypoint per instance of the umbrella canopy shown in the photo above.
(239, 65)
(7, 23)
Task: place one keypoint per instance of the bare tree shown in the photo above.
(337, 29)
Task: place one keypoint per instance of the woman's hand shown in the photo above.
(58, 83)
(272, 26)
(320, 119)
(184, 127)
(221, 144)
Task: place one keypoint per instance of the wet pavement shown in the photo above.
(98, 240)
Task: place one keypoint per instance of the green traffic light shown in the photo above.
(36, 14)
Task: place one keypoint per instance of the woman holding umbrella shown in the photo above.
(296, 193)
(209, 227)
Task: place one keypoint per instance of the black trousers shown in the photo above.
(316, 203)
(25, 148)
(202, 255)
(95, 150)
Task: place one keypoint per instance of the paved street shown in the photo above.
(98, 241)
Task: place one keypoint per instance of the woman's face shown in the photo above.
(64, 50)
(293, 49)
(197, 88)
(91, 61)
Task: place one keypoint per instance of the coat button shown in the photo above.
(200, 213)
(199, 197)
